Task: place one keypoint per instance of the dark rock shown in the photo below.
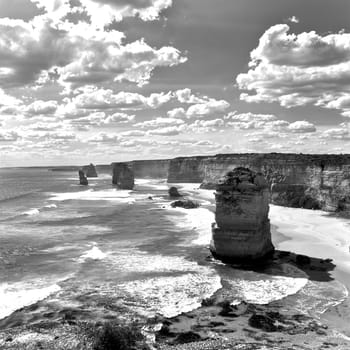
(150, 198)
(186, 204)
(262, 322)
(173, 192)
(82, 178)
(123, 176)
(9, 339)
(188, 337)
(90, 170)
(302, 260)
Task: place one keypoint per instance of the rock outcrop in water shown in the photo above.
(173, 192)
(186, 204)
(296, 180)
(123, 176)
(90, 170)
(82, 178)
(241, 232)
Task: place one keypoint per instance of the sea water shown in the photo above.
(101, 253)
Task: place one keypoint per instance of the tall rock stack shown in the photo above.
(242, 229)
(123, 176)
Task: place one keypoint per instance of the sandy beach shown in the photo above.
(318, 323)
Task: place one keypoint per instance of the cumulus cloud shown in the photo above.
(293, 19)
(74, 54)
(298, 69)
(301, 126)
(40, 107)
(166, 131)
(209, 107)
(103, 12)
(186, 96)
(9, 136)
(268, 122)
(339, 133)
(103, 137)
(159, 122)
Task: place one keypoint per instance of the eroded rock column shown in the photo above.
(241, 232)
(123, 176)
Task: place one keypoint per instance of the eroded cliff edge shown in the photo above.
(295, 180)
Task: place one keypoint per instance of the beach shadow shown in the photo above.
(316, 269)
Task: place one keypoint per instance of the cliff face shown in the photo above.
(296, 180)
(150, 168)
(241, 232)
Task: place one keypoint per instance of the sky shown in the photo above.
(113, 80)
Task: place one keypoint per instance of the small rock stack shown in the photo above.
(82, 178)
(123, 176)
(242, 229)
(90, 170)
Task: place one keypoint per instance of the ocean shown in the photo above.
(100, 253)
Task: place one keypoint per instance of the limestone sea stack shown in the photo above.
(82, 178)
(90, 170)
(123, 176)
(241, 233)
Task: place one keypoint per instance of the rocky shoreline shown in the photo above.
(217, 324)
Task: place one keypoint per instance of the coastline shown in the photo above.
(327, 330)
(215, 324)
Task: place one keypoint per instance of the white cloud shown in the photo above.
(159, 122)
(301, 126)
(40, 107)
(210, 107)
(293, 19)
(103, 12)
(103, 137)
(166, 131)
(298, 69)
(340, 133)
(178, 112)
(9, 136)
(75, 54)
(186, 96)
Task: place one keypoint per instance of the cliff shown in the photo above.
(241, 232)
(156, 168)
(296, 180)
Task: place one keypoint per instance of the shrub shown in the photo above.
(113, 336)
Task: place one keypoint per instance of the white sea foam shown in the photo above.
(155, 284)
(179, 285)
(51, 206)
(199, 219)
(32, 212)
(92, 254)
(121, 196)
(171, 295)
(156, 184)
(259, 288)
(14, 296)
(317, 297)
